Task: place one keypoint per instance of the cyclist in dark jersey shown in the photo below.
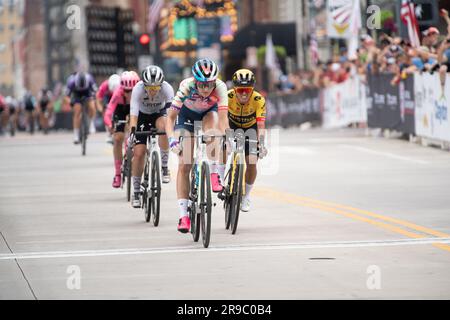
(45, 107)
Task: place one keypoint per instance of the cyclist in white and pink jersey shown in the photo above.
(119, 110)
(201, 98)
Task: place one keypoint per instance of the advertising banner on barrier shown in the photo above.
(293, 109)
(391, 106)
(344, 104)
(432, 105)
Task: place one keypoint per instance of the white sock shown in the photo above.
(248, 189)
(221, 171)
(213, 166)
(183, 206)
(76, 133)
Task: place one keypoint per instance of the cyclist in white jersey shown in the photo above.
(149, 102)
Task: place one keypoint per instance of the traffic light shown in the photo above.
(143, 44)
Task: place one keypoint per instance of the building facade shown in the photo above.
(11, 13)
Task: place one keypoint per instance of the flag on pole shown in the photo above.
(355, 26)
(271, 57)
(154, 14)
(408, 17)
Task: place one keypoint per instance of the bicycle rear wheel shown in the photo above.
(205, 204)
(156, 188)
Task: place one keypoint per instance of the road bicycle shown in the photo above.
(151, 185)
(200, 195)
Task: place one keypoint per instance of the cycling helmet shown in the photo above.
(244, 78)
(153, 76)
(205, 70)
(128, 80)
(113, 82)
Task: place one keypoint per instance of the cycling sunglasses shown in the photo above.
(244, 90)
(206, 85)
(153, 88)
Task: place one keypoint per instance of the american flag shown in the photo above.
(154, 14)
(408, 16)
(314, 50)
(313, 45)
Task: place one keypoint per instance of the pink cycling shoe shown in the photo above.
(117, 182)
(184, 225)
(215, 183)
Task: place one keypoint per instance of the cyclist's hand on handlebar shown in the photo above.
(262, 148)
(262, 152)
(132, 139)
(175, 146)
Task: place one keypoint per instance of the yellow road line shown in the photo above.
(368, 213)
(356, 215)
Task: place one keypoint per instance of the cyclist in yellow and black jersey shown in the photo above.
(247, 111)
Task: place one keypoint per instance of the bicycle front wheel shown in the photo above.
(205, 204)
(236, 197)
(128, 172)
(147, 195)
(156, 188)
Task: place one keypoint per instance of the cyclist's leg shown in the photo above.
(92, 112)
(184, 127)
(251, 159)
(118, 140)
(139, 151)
(163, 141)
(211, 126)
(75, 103)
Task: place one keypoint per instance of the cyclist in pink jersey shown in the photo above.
(201, 98)
(119, 110)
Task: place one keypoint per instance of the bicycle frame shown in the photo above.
(237, 156)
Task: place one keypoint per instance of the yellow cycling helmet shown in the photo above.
(244, 78)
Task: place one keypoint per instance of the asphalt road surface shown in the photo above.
(335, 215)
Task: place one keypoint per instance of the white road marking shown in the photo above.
(235, 248)
(302, 151)
(386, 154)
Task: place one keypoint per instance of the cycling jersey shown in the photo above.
(142, 102)
(119, 104)
(2, 103)
(189, 97)
(44, 98)
(87, 92)
(246, 116)
(103, 92)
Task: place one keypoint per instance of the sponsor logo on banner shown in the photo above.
(339, 16)
(432, 119)
(441, 111)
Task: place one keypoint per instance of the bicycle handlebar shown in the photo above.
(150, 133)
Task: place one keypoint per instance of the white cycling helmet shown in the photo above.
(153, 76)
(113, 82)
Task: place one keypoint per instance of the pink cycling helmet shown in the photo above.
(128, 80)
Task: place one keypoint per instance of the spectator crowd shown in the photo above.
(392, 55)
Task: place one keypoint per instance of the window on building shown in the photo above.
(12, 4)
